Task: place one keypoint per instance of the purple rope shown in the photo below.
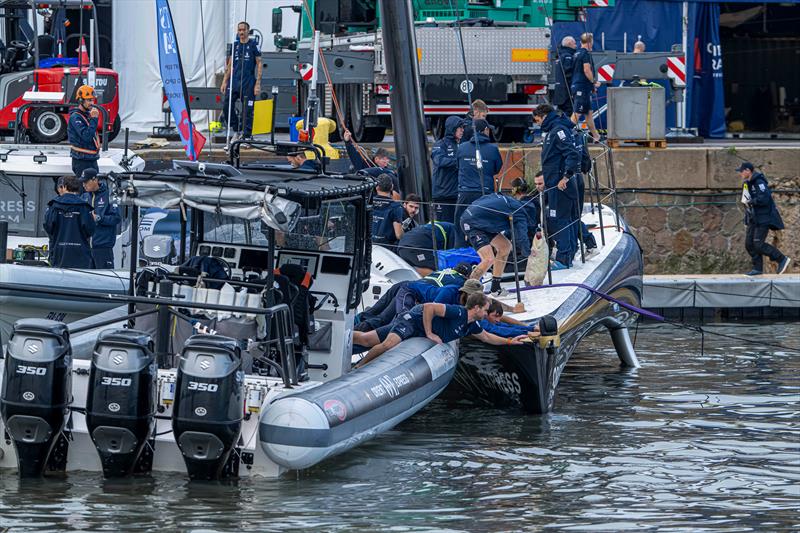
(601, 294)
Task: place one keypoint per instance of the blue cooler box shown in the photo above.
(450, 258)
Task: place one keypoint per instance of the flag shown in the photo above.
(169, 60)
(706, 110)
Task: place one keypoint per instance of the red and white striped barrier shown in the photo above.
(599, 3)
(605, 73)
(676, 70)
(446, 109)
(306, 71)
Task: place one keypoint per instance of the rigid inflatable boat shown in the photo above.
(240, 366)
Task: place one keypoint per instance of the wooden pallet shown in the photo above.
(651, 143)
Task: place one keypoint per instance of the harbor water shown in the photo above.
(690, 441)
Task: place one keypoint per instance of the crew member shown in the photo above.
(444, 155)
(246, 81)
(69, 223)
(413, 293)
(438, 322)
(505, 326)
(379, 164)
(417, 247)
(586, 166)
(474, 182)
(564, 64)
(491, 223)
(387, 215)
(584, 84)
(106, 217)
(299, 161)
(560, 161)
(761, 215)
(84, 144)
(478, 111)
(520, 190)
(638, 47)
(410, 210)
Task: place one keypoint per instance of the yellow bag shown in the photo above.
(262, 116)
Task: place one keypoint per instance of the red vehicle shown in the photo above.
(34, 66)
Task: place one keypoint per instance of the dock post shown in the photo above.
(624, 346)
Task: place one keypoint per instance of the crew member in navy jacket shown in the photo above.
(387, 215)
(416, 247)
(488, 227)
(761, 215)
(380, 161)
(563, 66)
(299, 161)
(444, 155)
(560, 162)
(106, 217)
(69, 223)
(84, 144)
(474, 182)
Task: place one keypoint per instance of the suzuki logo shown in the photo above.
(204, 365)
(118, 359)
(32, 348)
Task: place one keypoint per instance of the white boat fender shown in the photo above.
(299, 430)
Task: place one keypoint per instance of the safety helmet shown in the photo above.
(86, 92)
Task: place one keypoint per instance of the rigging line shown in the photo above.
(205, 76)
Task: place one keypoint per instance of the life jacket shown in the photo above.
(295, 283)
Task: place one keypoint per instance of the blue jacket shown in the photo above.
(489, 213)
(421, 237)
(469, 177)
(105, 235)
(762, 210)
(69, 223)
(360, 166)
(309, 164)
(444, 155)
(425, 292)
(579, 80)
(385, 212)
(82, 135)
(560, 157)
(445, 276)
(563, 67)
(501, 329)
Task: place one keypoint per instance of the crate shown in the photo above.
(450, 258)
(636, 113)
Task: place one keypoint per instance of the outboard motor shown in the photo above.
(121, 400)
(208, 408)
(37, 390)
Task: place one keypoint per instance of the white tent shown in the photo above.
(203, 28)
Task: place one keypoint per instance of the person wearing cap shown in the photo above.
(106, 217)
(560, 163)
(420, 292)
(387, 215)
(761, 215)
(491, 224)
(441, 323)
(377, 166)
(417, 246)
(84, 143)
(474, 182)
(69, 224)
(444, 176)
(299, 161)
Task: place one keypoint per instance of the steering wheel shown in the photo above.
(226, 266)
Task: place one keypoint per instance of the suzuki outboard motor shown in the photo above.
(37, 390)
(121, 400)
(208, 408)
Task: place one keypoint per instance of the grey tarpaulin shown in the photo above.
(720, 291)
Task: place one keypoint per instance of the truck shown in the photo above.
(506, 48)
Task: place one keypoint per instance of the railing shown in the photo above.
(279, 316)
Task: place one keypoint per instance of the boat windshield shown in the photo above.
(328, 227)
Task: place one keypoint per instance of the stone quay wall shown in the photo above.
(683, 203)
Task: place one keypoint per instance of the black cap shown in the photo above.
(480, 124)
(88, 174)
(746, 165)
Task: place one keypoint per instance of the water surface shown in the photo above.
(688, 442)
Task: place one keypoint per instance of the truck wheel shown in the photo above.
(506, 134)
(362, 133)
(47, 126)
(115, 129)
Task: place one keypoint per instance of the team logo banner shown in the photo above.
(169, 59)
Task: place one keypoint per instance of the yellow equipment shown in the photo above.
(262, 116)
(322, 133)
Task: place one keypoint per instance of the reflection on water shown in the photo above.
(687, 442)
